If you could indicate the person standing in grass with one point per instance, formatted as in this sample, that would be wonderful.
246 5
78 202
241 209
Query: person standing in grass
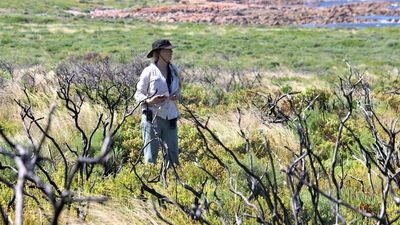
159 90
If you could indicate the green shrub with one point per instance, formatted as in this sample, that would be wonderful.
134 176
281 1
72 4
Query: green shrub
199 96
129 137
190 142
118 186
8 127
286 89
322 99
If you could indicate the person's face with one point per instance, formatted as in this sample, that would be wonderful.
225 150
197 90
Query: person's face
166 54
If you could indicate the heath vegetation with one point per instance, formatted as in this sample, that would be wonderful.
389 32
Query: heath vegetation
278 126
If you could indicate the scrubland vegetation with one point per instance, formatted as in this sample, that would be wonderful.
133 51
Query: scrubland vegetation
277 127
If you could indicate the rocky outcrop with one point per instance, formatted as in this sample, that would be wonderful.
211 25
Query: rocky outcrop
266 12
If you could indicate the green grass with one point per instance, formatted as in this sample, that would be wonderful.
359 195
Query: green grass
57 7
321 51
41 31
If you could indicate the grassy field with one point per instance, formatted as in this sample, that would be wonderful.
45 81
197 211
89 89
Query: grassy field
57 7
50 39
288 59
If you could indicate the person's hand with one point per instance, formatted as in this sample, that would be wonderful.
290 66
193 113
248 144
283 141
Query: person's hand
157 99
174 97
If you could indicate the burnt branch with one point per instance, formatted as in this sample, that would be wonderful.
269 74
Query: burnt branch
107 85
7 66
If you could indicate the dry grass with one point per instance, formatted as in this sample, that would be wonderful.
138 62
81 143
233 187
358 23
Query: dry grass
59 28
269 82
62 28
299 81
136 212
42 92
227 129
131 211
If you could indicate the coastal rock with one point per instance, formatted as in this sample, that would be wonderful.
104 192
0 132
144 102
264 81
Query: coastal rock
265 12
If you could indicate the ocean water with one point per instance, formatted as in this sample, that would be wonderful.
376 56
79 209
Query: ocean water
378 20
329 3
353 25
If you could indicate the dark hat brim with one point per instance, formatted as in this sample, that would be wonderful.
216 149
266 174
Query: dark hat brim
150 54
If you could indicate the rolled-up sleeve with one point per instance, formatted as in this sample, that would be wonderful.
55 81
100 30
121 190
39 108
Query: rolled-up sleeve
142 87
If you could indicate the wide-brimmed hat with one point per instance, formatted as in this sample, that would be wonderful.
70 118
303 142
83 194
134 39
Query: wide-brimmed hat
160 44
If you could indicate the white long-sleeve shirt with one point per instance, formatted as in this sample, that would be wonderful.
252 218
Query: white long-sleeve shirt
152 82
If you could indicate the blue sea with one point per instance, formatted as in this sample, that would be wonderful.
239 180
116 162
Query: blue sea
379 20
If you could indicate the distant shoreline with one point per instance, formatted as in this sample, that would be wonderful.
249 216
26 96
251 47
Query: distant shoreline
258 12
